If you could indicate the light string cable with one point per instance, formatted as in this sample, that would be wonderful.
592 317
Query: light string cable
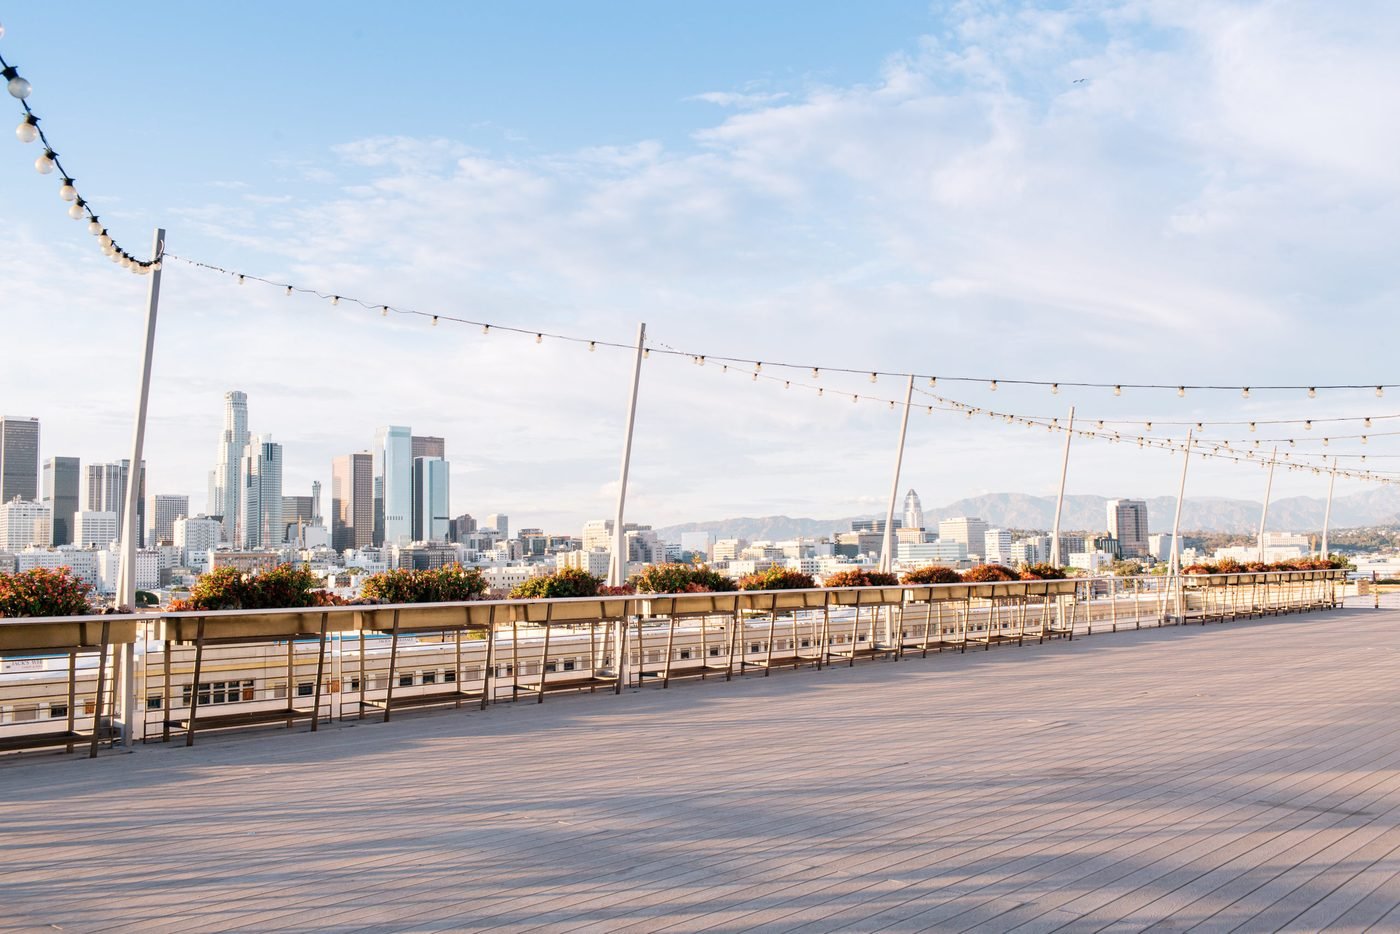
814 370
28 131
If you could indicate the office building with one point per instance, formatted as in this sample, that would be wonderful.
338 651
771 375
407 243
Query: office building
19 458
428 446
62 481
430 499
224 482
163 510
1127 522
996 546
969 530
459 528
393 485
591 562
1159 545
24 523
260 481
95 529
913 511
352 501
104 488
501 523
195 535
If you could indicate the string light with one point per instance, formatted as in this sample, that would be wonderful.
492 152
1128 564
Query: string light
539 338
435 317
1245 392
592 345
874 377
994 385
1312 392
1118 390
1054 389
335 299
1181 391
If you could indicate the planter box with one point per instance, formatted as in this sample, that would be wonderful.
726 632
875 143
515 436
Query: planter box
571 610
428 617
39 633
256 624
867 596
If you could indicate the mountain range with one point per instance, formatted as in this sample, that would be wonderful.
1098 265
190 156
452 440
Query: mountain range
1375 507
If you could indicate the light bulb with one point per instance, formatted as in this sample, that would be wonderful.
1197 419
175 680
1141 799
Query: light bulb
1380 391
28 129
994 386
1149 426
755 377
108 248
1054 389
1307 425
155 267
44 164
787 384
874 378
68 192
1099 424
1312 392
240 279
105 240
383 311
646 353
1118 390
821 391
19 87
94 227
702 359
289 290
1251 428
592 346
757 367
891 404
932 381
75 211
486 329
434 320
1324 442
1181 391
855 398
539 338
1245 392
335 299
1363 439
969 413
816 373
125 261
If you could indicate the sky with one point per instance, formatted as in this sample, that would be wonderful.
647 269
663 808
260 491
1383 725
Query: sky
1133 191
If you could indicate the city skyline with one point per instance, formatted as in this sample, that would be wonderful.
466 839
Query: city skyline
903 188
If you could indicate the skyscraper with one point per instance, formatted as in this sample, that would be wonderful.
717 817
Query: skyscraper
393 474
104 488
1127 522
429 446
224 487
430 499
19 458
61 483
499 522
260 479
913 511
968 530
352 501
164 510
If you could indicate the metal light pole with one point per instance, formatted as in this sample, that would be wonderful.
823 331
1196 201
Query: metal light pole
1060 502
1327 516
1174 565
617 564
1268 491
887 543
126 579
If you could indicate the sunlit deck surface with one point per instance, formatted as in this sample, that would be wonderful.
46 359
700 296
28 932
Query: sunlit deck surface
1245 774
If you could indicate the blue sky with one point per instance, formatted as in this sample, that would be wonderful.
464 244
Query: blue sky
916 187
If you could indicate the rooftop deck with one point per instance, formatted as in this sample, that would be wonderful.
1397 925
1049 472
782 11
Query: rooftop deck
1244 774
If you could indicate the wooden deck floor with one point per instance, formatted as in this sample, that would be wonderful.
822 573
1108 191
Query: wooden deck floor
1240 776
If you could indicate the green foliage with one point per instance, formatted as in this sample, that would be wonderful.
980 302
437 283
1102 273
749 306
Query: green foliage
448 584
860 577
680 578
985 573
285 587
566 582
1042 572
42 592
932 574
1127 569
777 578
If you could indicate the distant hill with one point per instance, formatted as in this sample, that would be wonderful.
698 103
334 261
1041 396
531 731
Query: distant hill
1380 506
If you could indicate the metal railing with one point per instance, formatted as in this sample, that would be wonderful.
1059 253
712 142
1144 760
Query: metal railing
216 670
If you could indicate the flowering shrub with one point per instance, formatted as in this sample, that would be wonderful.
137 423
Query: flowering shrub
1231 566
681 578
284 587
451 583
860 577
985 573
777 578
566 582
41 592
1042 572
933 574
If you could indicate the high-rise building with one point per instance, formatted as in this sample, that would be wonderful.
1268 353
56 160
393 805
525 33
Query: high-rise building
429 446
501 523
459 528
95 528
430 499
224 481
352 501
393 481
196 535
104 489
19 458
996 548
24 523
913 511
260 479
969 530
316 501
61 484
1127 522
163 510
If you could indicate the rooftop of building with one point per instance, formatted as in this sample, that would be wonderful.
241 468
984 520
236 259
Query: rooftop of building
1245 774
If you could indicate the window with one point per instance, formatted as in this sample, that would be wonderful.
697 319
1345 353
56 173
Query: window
430 677
714 652
551 666
354 685
569 664
753 647
449 676
218 692
58 710
684 655
153 702
306 689
806 643
406 681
